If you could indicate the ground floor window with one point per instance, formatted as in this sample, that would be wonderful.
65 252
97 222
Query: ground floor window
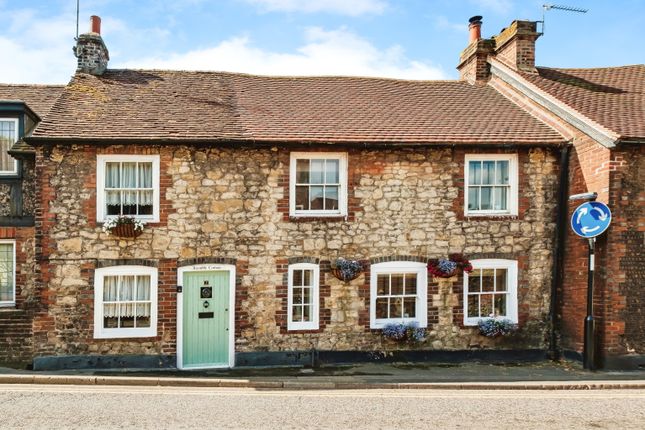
398 293
490 290
125 302
7 273
303 297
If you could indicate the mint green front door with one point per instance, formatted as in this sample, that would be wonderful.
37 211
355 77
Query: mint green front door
206 312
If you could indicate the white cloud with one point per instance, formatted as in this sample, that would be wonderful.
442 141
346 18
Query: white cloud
336 52
343 7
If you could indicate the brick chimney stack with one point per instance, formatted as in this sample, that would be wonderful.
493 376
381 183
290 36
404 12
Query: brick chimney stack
473 66
91 52
515 45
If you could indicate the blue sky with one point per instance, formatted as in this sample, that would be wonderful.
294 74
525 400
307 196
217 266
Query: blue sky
408 39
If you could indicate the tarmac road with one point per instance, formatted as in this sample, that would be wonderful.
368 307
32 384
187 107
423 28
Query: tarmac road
98 407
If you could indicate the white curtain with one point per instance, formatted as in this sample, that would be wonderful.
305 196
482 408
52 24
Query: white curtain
145 175
110 294
129 175
112 175
126 294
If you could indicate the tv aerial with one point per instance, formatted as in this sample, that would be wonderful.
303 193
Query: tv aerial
547 7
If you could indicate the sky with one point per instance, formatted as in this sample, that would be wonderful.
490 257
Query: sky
404 39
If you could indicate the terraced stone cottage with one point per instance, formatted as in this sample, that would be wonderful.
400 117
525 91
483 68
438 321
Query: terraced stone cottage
251 188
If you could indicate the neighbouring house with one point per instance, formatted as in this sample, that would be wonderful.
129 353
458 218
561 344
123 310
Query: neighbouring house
252 187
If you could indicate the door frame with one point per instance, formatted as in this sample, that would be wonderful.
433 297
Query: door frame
180 311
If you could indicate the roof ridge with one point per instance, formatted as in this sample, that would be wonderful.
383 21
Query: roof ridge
220 72
625 66
33 85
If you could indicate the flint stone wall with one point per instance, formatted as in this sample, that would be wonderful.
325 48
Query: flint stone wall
229 203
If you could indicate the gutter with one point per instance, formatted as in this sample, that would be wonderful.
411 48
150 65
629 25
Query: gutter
558 254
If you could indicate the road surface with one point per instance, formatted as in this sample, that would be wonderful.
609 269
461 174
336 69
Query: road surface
98 407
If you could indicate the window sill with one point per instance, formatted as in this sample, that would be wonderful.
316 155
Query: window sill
125 335
310 218
475 322
379 325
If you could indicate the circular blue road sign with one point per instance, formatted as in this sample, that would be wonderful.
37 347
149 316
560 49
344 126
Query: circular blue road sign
590 219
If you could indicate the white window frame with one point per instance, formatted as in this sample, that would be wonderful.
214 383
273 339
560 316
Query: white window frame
315 297
511 297
113 333
342 178
15 164
421 270
11 303
101 160
512 180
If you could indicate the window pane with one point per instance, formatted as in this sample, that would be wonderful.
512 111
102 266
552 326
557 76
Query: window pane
112 175
473 306
486 304
126 312
302 198
297 278
502 173
110 288
474 172
500 305
488 172
486 198
6 272
317 171
396 285
396 307
331 198
382 285
8 136
143 287
316 198
126 289
500 281
306 296
501 198
145 202
307 277
302 171
296 313
409 307
332 172
411 283
129 175
473 198
129 202
111 322
145 175
306 313
488 279
474 281
297 296
381 308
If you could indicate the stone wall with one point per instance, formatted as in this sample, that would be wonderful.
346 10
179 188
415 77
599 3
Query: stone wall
226 203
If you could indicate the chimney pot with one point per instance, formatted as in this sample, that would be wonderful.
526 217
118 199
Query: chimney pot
95 24
475 27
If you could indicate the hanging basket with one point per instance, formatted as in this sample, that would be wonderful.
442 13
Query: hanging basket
346 270
442 268
126 230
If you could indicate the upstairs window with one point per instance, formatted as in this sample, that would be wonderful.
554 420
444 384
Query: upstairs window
128 185
491 184
7 272
490 290
8 136
318 184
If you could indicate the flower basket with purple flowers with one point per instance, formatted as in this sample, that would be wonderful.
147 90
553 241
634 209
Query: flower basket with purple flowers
401 332
496 326
346 270
447 268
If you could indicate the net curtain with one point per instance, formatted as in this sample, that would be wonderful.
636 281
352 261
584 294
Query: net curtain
126 290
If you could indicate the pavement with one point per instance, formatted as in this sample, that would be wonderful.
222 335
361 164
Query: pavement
546 375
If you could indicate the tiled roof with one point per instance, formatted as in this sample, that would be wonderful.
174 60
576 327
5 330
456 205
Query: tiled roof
177 105
39 98
613 97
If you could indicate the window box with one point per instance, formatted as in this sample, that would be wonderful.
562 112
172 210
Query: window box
490 185
318 184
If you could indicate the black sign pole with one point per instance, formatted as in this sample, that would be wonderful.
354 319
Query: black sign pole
589 359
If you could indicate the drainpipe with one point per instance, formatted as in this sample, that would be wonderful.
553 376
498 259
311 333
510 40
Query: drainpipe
558 254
